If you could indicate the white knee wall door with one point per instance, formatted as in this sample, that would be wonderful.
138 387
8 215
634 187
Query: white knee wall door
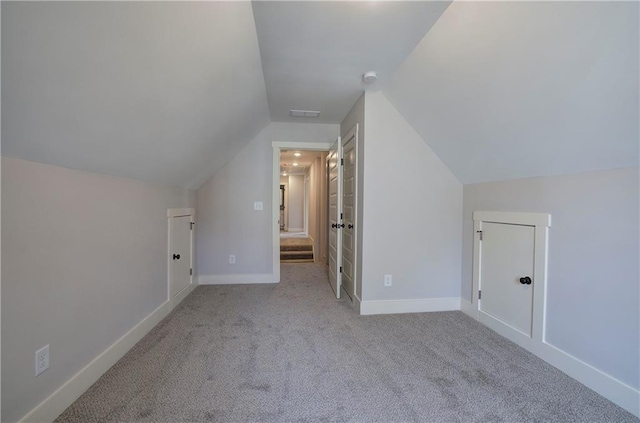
180 253
510 273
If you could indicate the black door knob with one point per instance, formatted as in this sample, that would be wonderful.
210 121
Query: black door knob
341 225
526 280
176 256
334 225
350 226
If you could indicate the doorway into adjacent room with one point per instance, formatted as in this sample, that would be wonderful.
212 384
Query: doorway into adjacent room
302 206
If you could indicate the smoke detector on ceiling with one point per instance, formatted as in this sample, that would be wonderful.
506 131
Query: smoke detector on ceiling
370 77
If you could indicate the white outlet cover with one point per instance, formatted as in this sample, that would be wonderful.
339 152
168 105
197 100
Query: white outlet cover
232 259
388 280
258 205
42 359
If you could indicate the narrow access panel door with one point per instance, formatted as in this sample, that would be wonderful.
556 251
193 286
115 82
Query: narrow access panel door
506 274
180 254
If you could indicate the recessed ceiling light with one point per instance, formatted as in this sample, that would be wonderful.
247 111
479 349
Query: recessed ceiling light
304 113
295 164
297 154
370 77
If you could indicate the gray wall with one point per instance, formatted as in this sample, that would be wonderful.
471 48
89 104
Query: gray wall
84 259
227 223
593 290
412 211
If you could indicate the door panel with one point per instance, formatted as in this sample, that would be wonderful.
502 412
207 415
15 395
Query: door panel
348 212
506 256
333 172
180 254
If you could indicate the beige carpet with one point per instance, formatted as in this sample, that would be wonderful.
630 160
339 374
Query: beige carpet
290 352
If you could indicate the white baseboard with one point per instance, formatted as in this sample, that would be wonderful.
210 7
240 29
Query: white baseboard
295 230
409 306
469 309
609 387
236 279
49 409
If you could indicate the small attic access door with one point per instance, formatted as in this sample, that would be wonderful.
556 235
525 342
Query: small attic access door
506 268
180 267
510 274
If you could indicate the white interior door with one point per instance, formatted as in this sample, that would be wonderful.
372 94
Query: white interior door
180 254
506 274
334 244
348 215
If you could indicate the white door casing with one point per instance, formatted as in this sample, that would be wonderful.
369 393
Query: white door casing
506 279
180 254
335 237
349 207
275 209
539 224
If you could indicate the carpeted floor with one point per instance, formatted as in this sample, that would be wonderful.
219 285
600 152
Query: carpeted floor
290 352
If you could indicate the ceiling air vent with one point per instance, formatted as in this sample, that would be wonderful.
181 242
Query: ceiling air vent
304 113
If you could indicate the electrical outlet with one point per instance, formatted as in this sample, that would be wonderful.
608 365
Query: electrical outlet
42 359
388 280
258 205
232 259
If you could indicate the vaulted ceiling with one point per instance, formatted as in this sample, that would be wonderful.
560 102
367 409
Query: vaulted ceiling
169 92
505 90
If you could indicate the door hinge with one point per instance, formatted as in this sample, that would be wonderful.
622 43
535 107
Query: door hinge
192 223
479 295
341 162
480 232
341 217
190 272
340 269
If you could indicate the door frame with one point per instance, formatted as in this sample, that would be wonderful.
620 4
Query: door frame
275 192
171 213
541 222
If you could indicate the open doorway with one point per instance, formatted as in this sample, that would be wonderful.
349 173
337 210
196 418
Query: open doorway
300 215
302 206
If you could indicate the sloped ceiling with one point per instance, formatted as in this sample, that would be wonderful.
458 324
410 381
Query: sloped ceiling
163 92
504 90
315 52
170 91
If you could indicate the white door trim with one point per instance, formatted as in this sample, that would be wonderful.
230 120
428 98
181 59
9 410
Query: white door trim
275 187
171 213
541 223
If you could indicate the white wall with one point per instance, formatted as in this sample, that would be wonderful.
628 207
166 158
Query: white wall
296 203
593 290
227 223
84 260
412 211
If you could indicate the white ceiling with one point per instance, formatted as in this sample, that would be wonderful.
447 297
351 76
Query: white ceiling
163 92
504 90
314 53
